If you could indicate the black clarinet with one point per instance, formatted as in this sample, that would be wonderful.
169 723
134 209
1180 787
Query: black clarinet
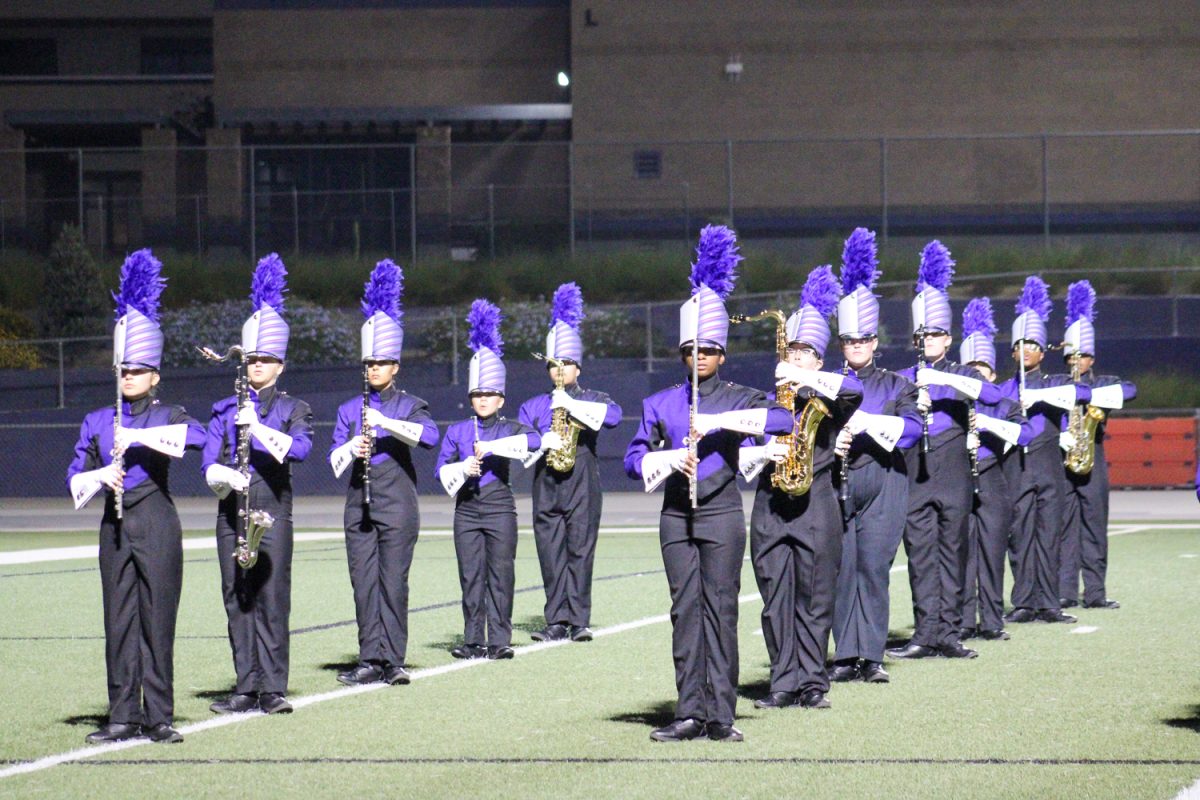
919 341
844 474
370 440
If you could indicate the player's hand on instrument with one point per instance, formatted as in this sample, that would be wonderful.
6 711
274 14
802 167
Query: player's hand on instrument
1067 441
790 373
559 398
707 423
923 401
376 418
688 464
777 450
972 441
552 440
842 446
111 477
219 476
474 465
360 446
246 415
123 439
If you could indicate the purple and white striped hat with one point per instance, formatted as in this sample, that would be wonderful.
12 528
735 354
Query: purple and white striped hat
564 342
486 372
858 310
931 306
1081 310
137 338
382 333
266 333
1033 311
818 299
979 332
703 317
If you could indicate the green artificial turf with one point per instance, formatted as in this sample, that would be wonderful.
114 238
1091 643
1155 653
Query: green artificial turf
1051 713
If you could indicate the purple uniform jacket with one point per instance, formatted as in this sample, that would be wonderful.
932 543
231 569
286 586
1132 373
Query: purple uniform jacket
393 404
989 443
459 444
665 426
1045 419
889 393
537 413
276 410
145 469
948 414
1093 381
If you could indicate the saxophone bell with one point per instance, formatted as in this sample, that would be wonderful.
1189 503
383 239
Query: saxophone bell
257 524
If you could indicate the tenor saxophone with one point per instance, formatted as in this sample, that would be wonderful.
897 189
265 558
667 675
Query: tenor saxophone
561 459
1082 424
794 475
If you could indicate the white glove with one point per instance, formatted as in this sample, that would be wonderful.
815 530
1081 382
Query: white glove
964 385
1066 441
246 415
588 413
923 401
170 440
751 461
515 446
750 421
1108 397
777 450
551 440
85 485
560 399
842 446
707 423
658 465
474 466
124 438
221 479
453 476
972 441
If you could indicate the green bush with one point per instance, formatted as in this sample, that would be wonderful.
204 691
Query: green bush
14 326
76 303
1167 390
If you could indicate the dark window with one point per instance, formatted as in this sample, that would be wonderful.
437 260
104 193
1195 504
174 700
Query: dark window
177 57
28 57
647 164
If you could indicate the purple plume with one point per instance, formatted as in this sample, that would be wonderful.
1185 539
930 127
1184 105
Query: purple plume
821 290
860 263
978 318
141 285
1035 297
568 305
269 283
937 268
484 321
1081 302
716 260
382 291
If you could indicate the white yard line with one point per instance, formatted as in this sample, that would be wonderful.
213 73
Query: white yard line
46 762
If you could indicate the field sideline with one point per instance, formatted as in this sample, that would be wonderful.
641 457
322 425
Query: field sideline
1105 708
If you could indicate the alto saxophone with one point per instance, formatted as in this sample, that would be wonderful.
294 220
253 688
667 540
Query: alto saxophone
561 459
1082 424
794 475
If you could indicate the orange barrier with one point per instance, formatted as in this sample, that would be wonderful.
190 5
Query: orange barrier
1151 451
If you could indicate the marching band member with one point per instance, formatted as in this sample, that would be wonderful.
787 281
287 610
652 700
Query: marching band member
875 498
566 481
702 527
1084 546
258 596
141 541
1034 473
473 466
379 429
795 535
939 472
998 428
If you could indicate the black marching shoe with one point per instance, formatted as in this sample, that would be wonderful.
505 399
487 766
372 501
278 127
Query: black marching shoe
581 633
873 672
235 704
396 674
681 730
163 733
495 652
1105 603
1020 615
1067 602
845 671
813 698
967 633
911 650
1054 615
274 703
469 651
776 700
113 732
994 634
551 633
956 650
363 673
720 732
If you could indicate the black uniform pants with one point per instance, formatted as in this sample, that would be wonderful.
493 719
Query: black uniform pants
141 574
258 601
1037 526
485 541
703 559
987 542
1084 546
861 613
566 524
935 538
796 547
379 552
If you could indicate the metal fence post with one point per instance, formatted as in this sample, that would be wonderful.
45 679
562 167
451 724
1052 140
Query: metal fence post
1045 194
453 348
199 230
253 220
729 178
62 391
571 198
392 218
412 204
883 187
649 337
295 221
491 221
79 182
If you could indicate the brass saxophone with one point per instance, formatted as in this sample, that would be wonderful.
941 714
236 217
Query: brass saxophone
794 475
1082 424
563 458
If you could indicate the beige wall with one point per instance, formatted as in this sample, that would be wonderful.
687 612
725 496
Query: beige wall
368 58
